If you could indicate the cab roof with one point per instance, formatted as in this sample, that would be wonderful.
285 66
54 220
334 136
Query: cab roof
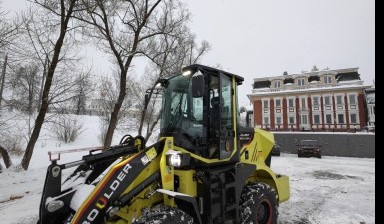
202 68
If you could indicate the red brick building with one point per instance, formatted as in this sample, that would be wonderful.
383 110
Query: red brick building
327 100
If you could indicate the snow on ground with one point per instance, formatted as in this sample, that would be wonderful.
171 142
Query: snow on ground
328 190
323 191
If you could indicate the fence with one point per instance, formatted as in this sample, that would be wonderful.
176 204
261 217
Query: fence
333 144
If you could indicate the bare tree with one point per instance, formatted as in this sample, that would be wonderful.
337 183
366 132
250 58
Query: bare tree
2 78
64 10
25 86
83 88
109 95
50 31
66 129
124 29
8 32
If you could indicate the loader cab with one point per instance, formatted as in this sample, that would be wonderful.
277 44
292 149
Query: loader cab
199 110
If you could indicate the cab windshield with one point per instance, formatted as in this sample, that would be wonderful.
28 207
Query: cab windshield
200 123
182 114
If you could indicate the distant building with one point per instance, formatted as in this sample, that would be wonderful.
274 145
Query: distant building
327 100
371 110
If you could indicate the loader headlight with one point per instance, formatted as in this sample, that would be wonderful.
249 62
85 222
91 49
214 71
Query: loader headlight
177 159
54 205
174 160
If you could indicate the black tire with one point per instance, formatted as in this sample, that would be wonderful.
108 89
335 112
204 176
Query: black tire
165 215
259 204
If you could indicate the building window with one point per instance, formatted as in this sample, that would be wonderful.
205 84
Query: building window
328 118
277 84
266 120
353 118
316 101
303 103
304 119
327 100
291 120
327 79
372 110
266 103
291 102
278 120
352 99
278 102
316 119
339 100
300 82
340 118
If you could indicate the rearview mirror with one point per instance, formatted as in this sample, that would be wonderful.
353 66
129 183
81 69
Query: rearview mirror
197 85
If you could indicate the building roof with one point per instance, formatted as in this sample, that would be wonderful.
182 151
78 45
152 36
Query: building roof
346 71
306 89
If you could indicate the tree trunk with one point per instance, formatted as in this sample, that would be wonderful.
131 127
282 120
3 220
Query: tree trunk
116 110
47 86
153 125
7 160
123 66
3 77
30 101
42 83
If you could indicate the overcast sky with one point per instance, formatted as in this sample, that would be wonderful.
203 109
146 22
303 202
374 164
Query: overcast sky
257 38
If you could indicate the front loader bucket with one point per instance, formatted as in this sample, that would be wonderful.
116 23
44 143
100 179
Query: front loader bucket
55 206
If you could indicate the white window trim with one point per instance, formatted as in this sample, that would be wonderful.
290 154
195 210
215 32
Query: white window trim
281 102
357 118
342 99
325 79
349 101
320 119
294 119
262 103
294 102
282 122
301 102
337 116
330 100
277 84
325 119
313 104
301 119
300 81
269 121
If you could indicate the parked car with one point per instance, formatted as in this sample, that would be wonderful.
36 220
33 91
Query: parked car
309 148
276 150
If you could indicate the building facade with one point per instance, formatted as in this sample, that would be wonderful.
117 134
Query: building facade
327 100
371 108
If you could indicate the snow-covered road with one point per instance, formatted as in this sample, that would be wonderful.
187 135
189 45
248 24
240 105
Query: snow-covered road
330 190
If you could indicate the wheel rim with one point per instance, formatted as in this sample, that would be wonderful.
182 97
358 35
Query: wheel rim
264 212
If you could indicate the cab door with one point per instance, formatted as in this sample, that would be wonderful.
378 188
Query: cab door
227 134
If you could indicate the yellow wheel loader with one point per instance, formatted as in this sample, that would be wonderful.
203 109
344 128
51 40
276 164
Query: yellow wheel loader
205 168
